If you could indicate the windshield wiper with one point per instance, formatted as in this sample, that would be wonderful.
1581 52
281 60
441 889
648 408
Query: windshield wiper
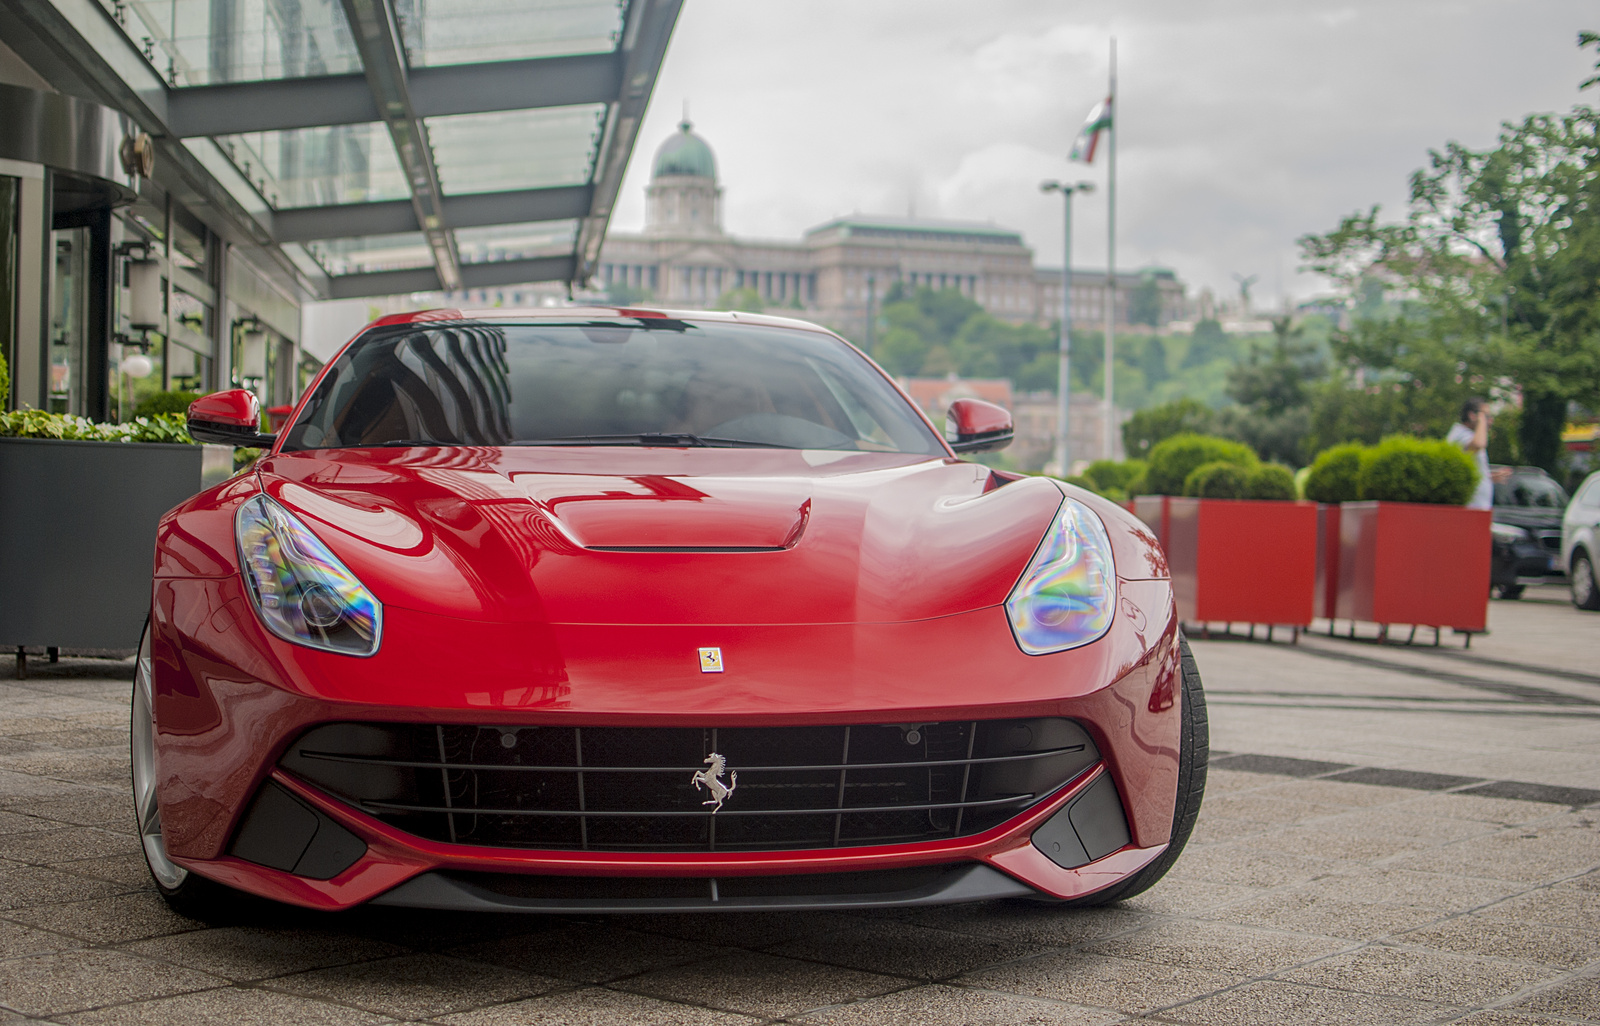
662 438
403 443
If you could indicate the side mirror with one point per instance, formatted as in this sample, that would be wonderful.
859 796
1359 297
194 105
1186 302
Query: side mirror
972 425
228 418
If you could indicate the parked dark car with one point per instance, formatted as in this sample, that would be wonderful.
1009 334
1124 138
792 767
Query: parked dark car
1528 504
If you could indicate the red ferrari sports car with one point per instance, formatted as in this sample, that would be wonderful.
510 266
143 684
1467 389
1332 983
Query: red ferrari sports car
615 610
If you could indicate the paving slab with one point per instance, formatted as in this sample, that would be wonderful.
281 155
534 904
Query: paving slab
1390 838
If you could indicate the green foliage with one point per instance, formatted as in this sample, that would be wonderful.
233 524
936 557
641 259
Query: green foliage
1174 459
1270 481
1271 387
1336 474
5 383
1108 474
1500 249
1158 423
1110 479
1209 342
165 402
1088 485
1402 469
932 333
244 456
165 427
1504 437
1217 480
1144 303
627 295
746 300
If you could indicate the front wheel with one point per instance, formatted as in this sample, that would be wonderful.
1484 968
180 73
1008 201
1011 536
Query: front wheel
186 893
1194 750
1585 590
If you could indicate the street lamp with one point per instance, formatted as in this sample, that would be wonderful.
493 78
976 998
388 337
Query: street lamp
1063 379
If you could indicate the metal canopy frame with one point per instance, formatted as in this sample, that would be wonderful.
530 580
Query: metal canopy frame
85 37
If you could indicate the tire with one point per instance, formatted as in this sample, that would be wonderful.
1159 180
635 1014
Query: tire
1585 589
1509 591
187 893
1194 750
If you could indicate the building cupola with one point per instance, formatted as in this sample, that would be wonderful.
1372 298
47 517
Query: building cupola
683 197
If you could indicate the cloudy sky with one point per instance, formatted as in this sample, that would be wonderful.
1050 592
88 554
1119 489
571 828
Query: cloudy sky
1243 123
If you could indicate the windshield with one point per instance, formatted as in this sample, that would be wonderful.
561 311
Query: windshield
1530 490
646 382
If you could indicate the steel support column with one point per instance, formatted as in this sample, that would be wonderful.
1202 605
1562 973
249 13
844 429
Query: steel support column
377 39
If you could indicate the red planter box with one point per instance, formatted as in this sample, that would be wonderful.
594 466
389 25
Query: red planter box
1411 563
1242 560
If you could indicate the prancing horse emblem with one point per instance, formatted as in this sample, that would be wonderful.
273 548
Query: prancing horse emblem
711 780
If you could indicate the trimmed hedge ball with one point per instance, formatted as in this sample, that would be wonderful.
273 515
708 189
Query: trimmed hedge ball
1335 474
1403 469
1270 481
1172 460
1217 480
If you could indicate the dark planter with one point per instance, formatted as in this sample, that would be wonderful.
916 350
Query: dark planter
1326 603
1153 510
1413 563
78 531
1242 560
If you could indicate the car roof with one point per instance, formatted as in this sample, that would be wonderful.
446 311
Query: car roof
567 313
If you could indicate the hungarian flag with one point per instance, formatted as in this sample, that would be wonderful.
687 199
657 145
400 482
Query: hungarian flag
1088 140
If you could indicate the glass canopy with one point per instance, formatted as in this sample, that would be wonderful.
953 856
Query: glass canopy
205 42
314 167
491 152
470 31
445 136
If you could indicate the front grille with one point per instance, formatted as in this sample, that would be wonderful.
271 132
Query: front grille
633 788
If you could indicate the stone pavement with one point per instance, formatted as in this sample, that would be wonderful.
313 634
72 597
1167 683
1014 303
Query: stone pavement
1392 836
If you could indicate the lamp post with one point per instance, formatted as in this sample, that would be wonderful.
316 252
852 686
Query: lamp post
1063 378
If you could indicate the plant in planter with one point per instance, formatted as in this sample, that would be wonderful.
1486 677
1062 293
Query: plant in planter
1409 551
1217 480
80 577
1171 462
1230 523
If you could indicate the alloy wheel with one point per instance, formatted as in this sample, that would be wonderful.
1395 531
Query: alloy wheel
1583 583
146 807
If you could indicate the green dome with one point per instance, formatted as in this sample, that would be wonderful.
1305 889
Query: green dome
685 154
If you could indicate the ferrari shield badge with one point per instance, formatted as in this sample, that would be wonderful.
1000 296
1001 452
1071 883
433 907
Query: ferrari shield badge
711 660
711 780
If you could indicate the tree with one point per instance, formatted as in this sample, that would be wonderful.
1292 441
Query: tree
1207 343
1144 303
1148 427
746 300
1271 387
1501 250
627 295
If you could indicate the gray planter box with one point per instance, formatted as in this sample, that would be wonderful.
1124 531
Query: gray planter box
78 531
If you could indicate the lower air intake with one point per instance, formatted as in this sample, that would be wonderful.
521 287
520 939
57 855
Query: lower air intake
650 789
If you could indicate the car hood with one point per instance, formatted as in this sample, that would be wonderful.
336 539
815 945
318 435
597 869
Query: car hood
1525 516
668 536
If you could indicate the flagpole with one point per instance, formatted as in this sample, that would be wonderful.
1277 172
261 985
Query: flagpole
1111 256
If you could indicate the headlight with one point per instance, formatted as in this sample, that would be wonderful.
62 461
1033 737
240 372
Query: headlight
1068 594
300 589
1510 533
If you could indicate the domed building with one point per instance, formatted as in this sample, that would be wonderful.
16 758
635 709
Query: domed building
684 197
839 271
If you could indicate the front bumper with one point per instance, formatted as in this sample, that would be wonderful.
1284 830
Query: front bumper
230 700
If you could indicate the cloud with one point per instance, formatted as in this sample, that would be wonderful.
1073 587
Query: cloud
1243 123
